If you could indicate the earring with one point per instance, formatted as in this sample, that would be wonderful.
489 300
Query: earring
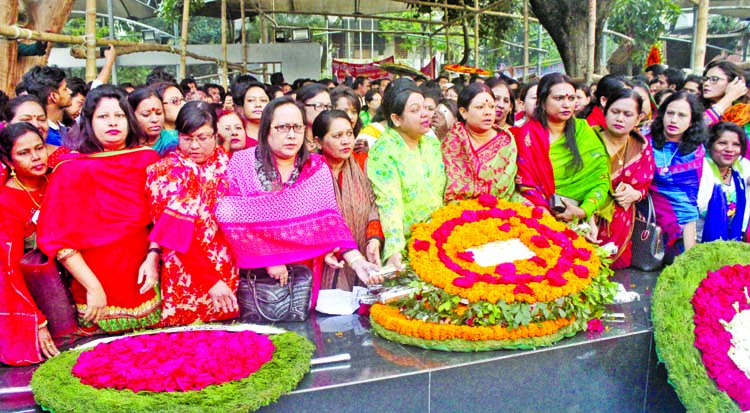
12 172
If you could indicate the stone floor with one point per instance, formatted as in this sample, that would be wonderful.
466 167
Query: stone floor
613 371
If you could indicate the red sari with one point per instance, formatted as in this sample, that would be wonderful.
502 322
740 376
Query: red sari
97 205
19 316
183 198
638 172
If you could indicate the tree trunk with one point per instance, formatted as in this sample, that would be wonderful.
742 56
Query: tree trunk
566 23
467 46
47 15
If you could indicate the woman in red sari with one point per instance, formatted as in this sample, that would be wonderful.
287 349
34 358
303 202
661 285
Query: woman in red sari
281 208
95 217
631 166
26 334
198 278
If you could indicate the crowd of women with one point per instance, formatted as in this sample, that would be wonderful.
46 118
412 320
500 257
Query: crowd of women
158 207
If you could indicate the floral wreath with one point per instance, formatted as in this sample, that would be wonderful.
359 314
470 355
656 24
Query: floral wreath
523 304
466 69
58 384
691 297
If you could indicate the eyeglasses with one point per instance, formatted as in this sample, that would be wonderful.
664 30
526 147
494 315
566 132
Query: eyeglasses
201 139
713 79
319 106
286 127
175 101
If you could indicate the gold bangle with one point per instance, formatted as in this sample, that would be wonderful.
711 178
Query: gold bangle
41 326
65 253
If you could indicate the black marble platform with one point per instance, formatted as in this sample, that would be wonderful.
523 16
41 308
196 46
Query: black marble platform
612 371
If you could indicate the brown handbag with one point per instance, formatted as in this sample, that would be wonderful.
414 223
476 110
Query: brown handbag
49 286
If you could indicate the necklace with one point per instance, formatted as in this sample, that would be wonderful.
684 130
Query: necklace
727 174
18 182
665 169
621 161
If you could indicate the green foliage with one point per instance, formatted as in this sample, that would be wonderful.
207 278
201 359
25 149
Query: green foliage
674 329
58 390
435 305
643 20
171 10
76 26
725 25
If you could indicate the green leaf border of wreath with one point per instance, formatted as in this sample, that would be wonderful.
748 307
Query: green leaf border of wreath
56 389
674 329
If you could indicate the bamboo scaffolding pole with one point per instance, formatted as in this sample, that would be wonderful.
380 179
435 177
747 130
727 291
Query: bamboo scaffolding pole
354 16
591 44
79 52
243 36
476 35
185 34
90 40
526 41
223 43
699 43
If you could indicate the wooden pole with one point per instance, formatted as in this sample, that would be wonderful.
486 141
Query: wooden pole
223 44
476 35
591 44
8 15
701 33
185 34
243 36
526 41
80 53
90 40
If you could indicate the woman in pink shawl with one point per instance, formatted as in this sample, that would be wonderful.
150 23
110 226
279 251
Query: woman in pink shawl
281 208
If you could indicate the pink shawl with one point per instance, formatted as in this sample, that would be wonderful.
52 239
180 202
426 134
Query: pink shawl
291 225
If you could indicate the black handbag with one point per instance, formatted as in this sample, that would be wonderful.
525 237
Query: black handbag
49 286
262 299
648 243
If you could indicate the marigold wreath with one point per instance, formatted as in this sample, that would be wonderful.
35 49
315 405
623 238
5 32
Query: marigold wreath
57 389
680 289
462 304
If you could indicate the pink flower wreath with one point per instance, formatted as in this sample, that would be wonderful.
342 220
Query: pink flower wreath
713 301
171 362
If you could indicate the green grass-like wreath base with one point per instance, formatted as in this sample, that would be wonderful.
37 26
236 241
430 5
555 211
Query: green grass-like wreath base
472 346
56 389
674 329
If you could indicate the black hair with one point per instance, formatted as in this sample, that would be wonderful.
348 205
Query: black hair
369 96
674 77
717 129
10 108
494 82
469 93
82 132
625 93
42 81
277 78
142 93
451 105
125 85
77 86
525 87
431 89
264 130
21 88
695 134
542 93
346 92
185 84
10 134
218 87
193 115
655 69
605 87
158 75
239 90
309 91
322 124
660 95
693 78
358 82
396 95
